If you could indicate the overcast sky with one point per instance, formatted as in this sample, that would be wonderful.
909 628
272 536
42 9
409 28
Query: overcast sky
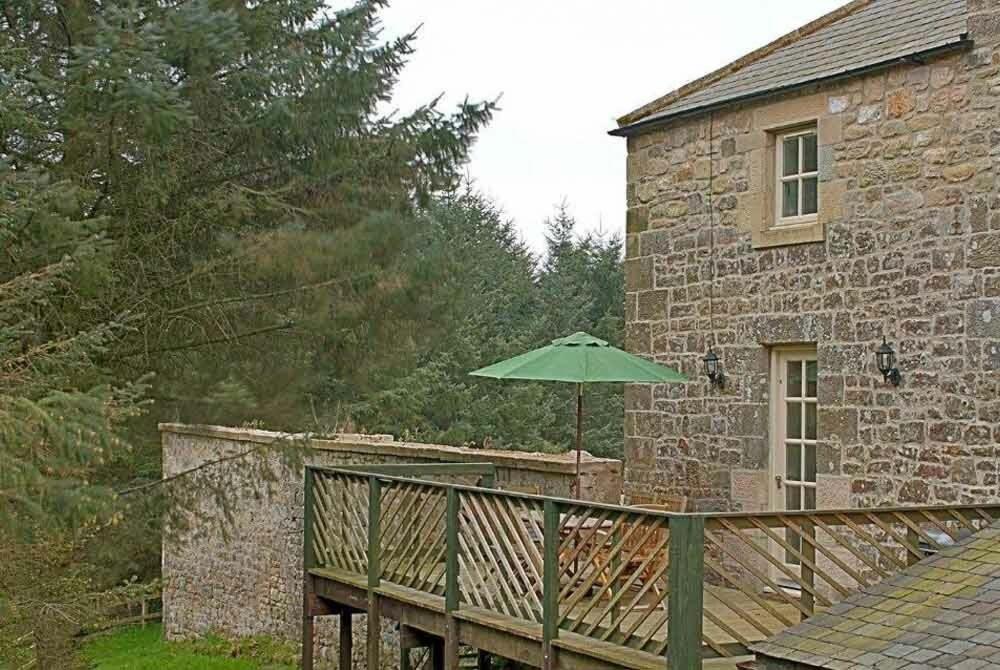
566 69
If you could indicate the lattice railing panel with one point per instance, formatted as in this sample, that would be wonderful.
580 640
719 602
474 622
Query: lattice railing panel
340 521
500 553
412 541
612 568
613 575
766 572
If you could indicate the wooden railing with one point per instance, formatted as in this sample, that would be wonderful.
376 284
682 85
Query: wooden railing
683 585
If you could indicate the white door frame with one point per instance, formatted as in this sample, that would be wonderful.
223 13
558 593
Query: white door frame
780 356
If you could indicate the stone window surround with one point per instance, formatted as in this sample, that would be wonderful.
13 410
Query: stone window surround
769 123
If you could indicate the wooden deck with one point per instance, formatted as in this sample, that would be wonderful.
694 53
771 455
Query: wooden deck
507 637
553 583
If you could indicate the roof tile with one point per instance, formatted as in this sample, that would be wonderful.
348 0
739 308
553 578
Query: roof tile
876 33
952 622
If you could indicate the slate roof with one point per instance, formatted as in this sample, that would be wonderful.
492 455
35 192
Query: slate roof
854 38
942 612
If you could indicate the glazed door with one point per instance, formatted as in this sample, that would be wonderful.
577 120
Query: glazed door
793 463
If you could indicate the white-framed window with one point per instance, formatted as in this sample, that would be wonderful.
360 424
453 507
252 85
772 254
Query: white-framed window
797 170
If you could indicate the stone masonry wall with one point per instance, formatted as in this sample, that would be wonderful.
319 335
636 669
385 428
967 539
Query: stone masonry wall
911 206
243 575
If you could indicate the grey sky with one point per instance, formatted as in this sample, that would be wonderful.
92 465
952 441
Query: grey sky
566 70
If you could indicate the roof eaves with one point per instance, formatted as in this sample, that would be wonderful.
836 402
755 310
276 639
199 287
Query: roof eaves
962 42
785 40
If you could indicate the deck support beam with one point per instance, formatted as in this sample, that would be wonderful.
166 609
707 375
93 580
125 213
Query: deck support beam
374 637
346 648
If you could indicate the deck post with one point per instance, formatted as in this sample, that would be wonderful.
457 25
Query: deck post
308 562
685 601
374 572
550 582
346 647
808 552
451 588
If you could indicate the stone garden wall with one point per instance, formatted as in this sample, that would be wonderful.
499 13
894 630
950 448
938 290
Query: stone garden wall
242 575
909 248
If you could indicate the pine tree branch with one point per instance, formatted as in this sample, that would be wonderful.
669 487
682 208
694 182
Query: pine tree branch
266 296
184 473
215 340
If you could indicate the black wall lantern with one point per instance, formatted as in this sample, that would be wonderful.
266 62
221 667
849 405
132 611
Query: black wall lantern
713 368
886 359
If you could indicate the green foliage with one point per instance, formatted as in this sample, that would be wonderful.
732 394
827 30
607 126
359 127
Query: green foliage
144 649
490 299
208 190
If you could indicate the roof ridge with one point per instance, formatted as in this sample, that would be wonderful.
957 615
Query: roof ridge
743 61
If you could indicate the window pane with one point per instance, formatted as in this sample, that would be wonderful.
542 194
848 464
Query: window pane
790 198
790 157
794 379
809 153
810 498
793 420
809 451
811 421
811 370
793 462
810 197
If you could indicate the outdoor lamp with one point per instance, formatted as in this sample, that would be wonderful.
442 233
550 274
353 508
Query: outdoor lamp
886 359
713 368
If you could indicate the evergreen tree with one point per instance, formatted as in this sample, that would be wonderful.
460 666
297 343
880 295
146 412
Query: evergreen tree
492 300
209 190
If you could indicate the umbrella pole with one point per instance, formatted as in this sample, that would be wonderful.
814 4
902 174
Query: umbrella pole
579 434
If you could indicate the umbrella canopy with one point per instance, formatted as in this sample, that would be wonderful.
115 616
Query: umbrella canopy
581 359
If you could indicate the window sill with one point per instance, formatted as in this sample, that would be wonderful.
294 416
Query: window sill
789 223
800 232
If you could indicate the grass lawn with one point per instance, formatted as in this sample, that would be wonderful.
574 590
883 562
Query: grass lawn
137 648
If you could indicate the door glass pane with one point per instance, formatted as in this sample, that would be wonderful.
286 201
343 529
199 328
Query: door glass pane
810 197
811 371
792 538
809 161
811 421
790 198
793 498
793 420
790 157
809 465
794 379
793 462
810 498
793 501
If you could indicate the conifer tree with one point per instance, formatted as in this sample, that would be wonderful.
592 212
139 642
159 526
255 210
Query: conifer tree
214 191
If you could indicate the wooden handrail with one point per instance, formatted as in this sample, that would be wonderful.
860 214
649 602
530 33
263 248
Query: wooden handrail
712 584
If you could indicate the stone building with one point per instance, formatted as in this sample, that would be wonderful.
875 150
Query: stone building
788 212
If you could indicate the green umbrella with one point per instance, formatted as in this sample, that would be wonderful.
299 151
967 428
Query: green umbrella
580 359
